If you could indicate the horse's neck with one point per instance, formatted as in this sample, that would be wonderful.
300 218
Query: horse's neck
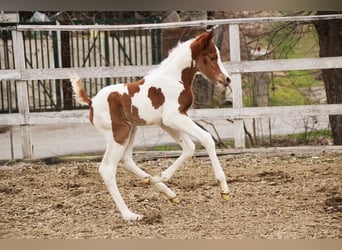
188 75
179 64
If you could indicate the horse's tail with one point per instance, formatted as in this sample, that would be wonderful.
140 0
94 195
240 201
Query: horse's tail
80 94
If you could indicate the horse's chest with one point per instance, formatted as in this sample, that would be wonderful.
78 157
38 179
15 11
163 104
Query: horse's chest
185 99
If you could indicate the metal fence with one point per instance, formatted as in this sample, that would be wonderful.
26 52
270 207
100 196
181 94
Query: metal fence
75 49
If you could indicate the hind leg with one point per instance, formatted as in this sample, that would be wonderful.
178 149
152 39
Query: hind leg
131 166
108 169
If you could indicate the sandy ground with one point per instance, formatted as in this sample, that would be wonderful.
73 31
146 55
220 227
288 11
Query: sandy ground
273 196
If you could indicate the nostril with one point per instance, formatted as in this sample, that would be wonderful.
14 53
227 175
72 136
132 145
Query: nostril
228 79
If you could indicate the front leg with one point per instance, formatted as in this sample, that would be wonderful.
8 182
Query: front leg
184 124
188 148
130 165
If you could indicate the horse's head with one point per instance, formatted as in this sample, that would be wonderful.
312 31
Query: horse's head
208 59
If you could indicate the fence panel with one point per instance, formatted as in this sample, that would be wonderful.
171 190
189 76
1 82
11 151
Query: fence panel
8 102
39 51
103 49
43 50
40 54
93 48
25 118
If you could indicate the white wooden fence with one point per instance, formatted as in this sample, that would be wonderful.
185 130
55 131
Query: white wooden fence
236 67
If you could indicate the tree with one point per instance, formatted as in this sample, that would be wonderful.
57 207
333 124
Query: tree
330 42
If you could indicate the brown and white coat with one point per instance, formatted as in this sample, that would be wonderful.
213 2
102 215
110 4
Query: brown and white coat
162 97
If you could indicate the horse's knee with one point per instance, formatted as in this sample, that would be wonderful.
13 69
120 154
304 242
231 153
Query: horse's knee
208 141
106 173
189 149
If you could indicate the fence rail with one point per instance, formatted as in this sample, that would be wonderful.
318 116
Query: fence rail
199 23
81 116
56 49
24 118
129 71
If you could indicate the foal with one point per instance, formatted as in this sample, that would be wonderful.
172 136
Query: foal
162 97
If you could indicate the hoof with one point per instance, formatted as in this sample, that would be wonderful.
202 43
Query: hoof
175 200
226 197
132 217
146 181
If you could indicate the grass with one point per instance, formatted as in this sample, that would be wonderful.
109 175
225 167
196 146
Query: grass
314 134
166 148
286 88
312 137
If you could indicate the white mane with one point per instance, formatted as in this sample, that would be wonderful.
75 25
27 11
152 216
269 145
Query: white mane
178 59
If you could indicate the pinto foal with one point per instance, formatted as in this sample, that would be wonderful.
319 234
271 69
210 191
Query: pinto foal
162 97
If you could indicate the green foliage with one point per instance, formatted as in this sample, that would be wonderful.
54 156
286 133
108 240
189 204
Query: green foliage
166 148
312 134
288 89
285 96
292 40
310 137
289 41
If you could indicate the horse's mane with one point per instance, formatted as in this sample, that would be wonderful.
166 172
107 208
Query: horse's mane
178 56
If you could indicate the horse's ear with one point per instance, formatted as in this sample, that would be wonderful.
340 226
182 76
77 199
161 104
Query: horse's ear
201 42
207 38
211 33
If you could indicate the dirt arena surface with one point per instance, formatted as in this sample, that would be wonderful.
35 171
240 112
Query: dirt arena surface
291 196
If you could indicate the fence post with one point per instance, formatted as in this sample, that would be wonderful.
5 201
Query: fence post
234 44
22 95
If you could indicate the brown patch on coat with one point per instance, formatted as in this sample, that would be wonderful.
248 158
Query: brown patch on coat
130 111
121 126
203 51
134 87
200 43
123 114
186 97
136 120
156 96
